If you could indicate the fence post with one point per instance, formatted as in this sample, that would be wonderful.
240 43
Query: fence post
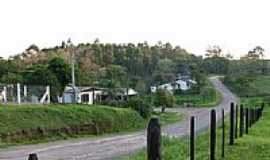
249 117
18 93
236 122
247 120
33 156
232 124
262 106
153 139
212 134
257 114
253 115
241 131
223 135
192 138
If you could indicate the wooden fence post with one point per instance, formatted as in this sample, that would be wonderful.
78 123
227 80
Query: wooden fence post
153 139
247 120
223 135
249 117
232 125
192 138
253 115
241 129
262 106
257 114
33 156
236 122
212 134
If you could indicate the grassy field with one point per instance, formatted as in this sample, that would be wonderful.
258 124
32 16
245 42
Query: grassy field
23 124
254 146
197 100
257 86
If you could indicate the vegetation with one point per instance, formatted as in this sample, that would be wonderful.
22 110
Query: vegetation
253 146
164 99
51 119
32 124
112 66
142 106
205 96
249 86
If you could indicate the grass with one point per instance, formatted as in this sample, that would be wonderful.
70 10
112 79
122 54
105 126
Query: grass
254 146
253 86
16 118
198 100
109 120
168 117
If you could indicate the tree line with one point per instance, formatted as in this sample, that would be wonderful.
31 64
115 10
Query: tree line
114 66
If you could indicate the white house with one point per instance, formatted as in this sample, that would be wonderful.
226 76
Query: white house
182 82
89 95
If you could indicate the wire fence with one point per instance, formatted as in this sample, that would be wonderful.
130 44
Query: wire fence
240 121
26 94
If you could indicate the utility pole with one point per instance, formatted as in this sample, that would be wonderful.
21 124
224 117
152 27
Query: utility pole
72 60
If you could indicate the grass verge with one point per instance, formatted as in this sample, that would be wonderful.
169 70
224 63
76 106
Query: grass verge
254 146
30 124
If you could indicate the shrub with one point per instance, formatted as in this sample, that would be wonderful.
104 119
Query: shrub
140 105
164 99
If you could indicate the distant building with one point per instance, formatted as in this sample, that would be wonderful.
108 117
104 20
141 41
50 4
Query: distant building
89 95
182 82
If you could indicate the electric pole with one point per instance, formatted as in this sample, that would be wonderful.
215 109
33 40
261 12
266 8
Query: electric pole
72 60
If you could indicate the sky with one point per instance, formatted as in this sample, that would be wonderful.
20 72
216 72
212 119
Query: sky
235 25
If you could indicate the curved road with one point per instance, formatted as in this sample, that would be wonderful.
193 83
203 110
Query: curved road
116 146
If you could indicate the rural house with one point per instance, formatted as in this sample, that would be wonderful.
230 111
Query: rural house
89 95
182 82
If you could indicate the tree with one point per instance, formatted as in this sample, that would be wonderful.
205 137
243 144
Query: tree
163 99
61 71
213 51
255 53
112 78
11 78
41 75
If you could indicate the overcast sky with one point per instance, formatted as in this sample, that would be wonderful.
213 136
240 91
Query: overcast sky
235 25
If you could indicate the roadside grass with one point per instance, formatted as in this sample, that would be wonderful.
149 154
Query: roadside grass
109 120
254 146
168 117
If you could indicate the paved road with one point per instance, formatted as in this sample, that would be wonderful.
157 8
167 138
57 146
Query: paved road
115 146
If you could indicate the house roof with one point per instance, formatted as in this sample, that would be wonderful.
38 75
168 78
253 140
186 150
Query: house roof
69 89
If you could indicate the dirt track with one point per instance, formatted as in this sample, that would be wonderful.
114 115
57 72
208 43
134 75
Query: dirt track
115 146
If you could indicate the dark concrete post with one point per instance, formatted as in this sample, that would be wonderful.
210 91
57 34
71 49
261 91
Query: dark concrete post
241 131
33 156
192 138
247 120
153 139
232 125
236 122
212 134
223 134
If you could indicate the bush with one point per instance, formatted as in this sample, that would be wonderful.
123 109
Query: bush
164 99
140 105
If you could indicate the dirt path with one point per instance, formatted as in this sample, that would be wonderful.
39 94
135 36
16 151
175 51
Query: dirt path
115 146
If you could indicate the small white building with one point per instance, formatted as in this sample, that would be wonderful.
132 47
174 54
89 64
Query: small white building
89 95
182 82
